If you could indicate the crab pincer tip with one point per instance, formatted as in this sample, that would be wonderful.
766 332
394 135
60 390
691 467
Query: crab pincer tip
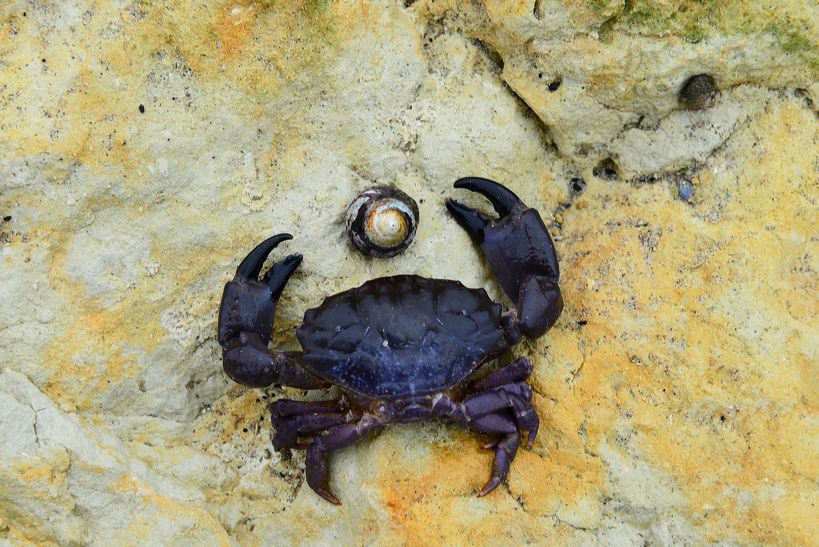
470 220
502 198
329 497
252 263
489 486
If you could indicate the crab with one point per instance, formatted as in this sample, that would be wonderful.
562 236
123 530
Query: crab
402 348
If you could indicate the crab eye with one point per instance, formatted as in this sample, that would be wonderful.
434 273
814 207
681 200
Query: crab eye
381 221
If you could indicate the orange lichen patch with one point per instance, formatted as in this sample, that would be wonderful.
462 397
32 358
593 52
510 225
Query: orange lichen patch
431 498
233 26
191 519
677 364
31 472
424 504
73 102
89 358
756 446
80 102
100 348
247 44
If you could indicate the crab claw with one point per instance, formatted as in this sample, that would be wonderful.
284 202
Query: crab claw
470 220
502 198
252 264
520 252
277 276
246 322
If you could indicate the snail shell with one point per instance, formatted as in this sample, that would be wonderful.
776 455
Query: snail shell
698 92
381 221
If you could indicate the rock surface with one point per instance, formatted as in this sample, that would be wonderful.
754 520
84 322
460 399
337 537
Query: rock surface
144 149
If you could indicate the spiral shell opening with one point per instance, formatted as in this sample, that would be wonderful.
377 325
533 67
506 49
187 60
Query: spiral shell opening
381 221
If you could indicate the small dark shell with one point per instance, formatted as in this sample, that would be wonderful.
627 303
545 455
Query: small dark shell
381 221
698 92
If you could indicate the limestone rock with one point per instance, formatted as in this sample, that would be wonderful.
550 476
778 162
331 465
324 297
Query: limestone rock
145 148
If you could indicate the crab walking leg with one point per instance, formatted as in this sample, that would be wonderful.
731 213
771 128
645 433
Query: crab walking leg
492 416
285 408
288 430
512 397
292 419
516 371
505 452
505 445
246 322
521 253
335 438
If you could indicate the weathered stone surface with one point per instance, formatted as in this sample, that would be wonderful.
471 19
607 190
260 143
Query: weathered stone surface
144 149
592 70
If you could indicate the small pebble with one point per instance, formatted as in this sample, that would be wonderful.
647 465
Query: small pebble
698 92
685 188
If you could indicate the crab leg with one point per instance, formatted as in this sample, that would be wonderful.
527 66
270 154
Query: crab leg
246 322
504 411
505 452
516 371
519 250
512 397
288 430
335 438
506 445
294 419
286 408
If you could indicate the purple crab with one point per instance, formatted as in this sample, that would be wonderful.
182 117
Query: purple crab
402 348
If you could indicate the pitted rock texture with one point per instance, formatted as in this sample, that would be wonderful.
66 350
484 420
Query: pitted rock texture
145 148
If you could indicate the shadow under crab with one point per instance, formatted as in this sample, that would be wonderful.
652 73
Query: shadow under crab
402 348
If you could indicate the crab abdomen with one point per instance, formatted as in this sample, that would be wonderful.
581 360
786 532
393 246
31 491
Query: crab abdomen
400 336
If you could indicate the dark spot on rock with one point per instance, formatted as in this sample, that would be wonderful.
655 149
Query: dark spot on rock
244 429
42 60
698 92
7 218
142 109
646 179
554 85
540 75
685 188
577 184
582 323
722 419
607 169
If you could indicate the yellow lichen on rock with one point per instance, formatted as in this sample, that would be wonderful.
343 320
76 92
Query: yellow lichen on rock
145 148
